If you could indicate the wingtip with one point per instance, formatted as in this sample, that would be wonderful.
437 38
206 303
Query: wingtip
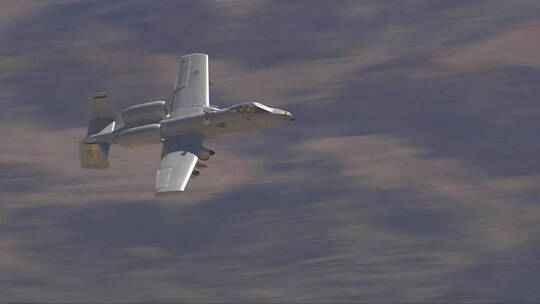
195 54
168 194
98 95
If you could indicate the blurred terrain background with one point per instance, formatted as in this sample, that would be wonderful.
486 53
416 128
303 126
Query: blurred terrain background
412 172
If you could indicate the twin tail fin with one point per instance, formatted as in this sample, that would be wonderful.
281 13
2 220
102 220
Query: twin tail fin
102 120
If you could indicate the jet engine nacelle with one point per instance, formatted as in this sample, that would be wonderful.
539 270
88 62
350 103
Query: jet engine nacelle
139 136
145 113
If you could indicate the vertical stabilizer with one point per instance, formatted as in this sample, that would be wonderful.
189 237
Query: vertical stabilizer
102 120
101 113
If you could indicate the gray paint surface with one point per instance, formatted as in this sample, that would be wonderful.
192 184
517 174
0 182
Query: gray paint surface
191 86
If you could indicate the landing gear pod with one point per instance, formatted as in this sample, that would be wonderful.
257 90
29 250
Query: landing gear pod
204 154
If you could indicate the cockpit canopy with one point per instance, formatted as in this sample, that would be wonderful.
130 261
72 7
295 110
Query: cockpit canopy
251 108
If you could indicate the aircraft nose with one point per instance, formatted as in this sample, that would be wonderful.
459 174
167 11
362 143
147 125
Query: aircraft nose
289 116
284 114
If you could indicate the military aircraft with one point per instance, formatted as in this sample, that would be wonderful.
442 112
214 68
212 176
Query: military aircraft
180 125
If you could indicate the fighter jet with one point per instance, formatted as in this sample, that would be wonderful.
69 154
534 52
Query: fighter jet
181 125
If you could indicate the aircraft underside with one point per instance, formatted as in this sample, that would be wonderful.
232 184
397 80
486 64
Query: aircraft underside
180 125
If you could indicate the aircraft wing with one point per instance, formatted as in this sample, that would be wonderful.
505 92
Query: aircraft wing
176 166
191 86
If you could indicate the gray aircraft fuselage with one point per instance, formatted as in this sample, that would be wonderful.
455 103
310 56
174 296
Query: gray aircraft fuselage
212 122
